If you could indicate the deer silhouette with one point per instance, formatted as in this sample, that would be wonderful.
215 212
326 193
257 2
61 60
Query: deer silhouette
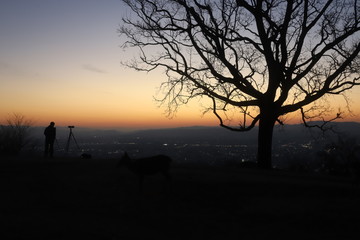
147 166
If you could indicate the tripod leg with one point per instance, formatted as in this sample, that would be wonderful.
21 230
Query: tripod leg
75 141
68 142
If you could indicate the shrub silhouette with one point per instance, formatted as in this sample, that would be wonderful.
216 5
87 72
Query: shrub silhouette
341 157
14 135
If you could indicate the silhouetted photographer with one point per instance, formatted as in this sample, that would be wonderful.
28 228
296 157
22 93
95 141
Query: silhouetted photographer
50 135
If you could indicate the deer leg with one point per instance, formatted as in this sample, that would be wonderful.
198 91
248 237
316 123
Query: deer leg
168 182
141 182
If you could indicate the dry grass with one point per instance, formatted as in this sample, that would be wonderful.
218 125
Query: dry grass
91 199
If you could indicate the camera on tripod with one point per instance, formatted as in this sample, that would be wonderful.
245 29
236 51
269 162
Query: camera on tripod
71 126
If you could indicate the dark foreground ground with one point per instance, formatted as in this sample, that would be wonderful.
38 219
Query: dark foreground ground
91 199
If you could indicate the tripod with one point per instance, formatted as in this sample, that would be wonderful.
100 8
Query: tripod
71 134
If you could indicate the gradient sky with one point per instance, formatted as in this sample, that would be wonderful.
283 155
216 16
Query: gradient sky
60 61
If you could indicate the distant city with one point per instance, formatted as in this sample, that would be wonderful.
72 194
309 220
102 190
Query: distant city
293 145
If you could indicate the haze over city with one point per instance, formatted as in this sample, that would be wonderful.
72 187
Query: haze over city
60 61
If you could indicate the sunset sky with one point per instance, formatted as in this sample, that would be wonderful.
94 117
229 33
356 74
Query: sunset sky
60 61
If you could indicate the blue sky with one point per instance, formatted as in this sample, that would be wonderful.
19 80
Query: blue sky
60 61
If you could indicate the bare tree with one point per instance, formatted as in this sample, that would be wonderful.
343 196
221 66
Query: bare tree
14 134
263 58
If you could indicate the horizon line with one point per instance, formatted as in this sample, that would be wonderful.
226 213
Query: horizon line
132 128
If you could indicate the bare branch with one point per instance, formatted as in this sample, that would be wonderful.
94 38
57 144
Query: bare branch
324 124
241 128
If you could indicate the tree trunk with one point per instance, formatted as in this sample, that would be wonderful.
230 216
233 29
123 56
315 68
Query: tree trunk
265 135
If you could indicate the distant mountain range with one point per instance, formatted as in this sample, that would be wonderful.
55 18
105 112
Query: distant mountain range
213 135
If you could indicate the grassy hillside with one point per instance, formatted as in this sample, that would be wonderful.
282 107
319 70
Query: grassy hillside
91 199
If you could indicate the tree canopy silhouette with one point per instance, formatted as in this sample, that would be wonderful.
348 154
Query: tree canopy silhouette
263 58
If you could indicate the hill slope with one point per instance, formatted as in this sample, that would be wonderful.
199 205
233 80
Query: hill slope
78 199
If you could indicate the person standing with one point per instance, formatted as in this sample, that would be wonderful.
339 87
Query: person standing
50 135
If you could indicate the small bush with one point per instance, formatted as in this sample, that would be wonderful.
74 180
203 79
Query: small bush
14 135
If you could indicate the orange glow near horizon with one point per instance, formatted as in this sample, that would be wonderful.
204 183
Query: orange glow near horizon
122 100
132 121
131 118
